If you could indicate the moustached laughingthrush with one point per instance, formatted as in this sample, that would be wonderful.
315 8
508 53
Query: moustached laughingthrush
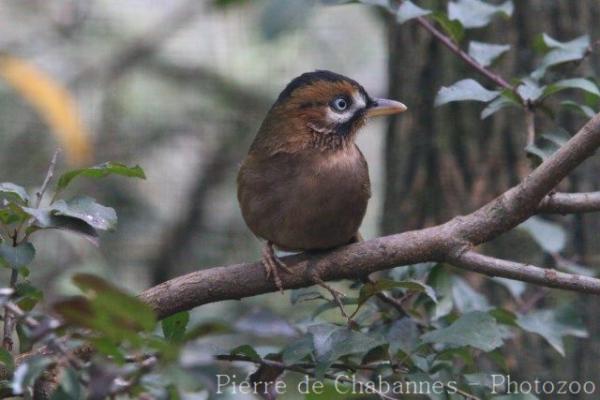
304 184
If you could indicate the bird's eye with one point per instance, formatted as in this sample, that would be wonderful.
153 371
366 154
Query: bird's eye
340 103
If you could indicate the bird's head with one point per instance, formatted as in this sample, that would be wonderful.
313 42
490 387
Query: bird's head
323 109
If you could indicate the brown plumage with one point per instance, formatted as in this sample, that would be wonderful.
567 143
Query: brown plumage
305 184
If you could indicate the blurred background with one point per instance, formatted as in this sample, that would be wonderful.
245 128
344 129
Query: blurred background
180 88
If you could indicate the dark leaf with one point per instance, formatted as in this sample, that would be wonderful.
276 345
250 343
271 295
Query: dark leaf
6 359
28 295
86 209
466 89
45 219
100 171
173 327
476 329
372 288
408 10
486 53
332 342
246 351
107 310
17 257
452 27
476 13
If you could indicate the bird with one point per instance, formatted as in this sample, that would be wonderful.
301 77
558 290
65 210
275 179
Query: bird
304 184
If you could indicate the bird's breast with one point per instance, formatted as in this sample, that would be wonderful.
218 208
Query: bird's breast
307 201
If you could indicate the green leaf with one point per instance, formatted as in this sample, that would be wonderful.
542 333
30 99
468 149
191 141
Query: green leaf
542 148
466 89
246 351
370 289
549 235
561 52
408 10
107 310
6 359
86 209
559 136
69 385
486 53
332 342
550 325
298 350
403 335
580 108
100 171
17 257
45 219
28 295
476 13
476 329
174 326
466 299
496 105
452 27
15 190
529 90
576 83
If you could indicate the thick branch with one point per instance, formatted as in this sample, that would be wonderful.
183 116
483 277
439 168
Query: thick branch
451 242
570 203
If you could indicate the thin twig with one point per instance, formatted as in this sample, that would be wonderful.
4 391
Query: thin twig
530 125
49 175
470 61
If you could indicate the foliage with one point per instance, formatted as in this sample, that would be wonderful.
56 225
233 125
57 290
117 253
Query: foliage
418 324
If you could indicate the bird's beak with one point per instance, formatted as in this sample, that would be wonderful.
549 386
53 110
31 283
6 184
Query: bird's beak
385 107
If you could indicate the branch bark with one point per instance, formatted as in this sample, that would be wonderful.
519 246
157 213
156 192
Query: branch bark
570 203
451 242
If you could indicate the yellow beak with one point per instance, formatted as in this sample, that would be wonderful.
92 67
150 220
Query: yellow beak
385 107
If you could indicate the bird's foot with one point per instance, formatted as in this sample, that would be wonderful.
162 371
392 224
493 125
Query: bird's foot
336 294
273 264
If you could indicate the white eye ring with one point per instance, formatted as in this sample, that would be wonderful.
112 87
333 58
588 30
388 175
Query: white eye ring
340 103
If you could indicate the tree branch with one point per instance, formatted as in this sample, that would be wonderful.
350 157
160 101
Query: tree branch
450 242
527 273
570 203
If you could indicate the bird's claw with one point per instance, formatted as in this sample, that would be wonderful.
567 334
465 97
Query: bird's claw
272 266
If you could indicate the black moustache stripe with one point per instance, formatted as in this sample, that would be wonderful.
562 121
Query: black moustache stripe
349 126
